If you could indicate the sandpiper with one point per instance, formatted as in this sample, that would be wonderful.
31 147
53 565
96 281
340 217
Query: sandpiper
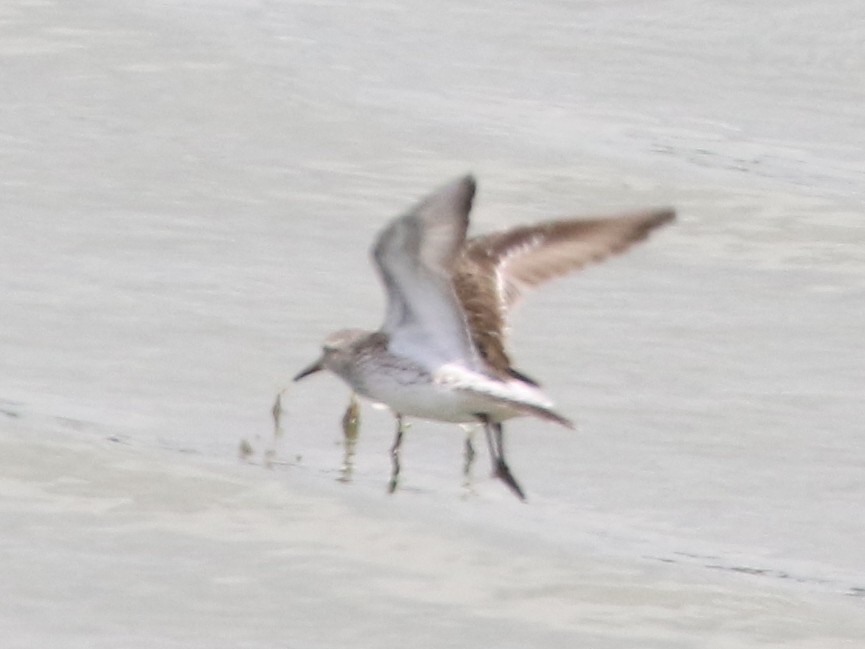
440 354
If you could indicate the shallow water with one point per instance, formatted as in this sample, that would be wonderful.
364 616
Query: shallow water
188 195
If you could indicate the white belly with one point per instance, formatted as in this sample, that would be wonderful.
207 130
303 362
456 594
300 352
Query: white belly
440 397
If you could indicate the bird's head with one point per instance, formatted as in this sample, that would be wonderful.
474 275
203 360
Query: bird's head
336 352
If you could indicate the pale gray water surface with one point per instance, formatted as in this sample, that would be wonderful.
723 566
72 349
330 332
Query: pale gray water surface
187 195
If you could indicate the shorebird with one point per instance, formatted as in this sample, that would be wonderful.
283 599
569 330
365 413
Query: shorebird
440 354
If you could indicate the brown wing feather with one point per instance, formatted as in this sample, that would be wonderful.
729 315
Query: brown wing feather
495 269
476 290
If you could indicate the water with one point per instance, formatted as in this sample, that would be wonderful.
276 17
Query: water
188 195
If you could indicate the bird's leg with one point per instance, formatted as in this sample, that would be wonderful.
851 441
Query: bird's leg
469 455
494 453
503 472
276 411
350 427
394 455
496 442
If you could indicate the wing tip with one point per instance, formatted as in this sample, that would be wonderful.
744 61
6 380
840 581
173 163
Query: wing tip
469 179
467 187
559 419
646 222
664 215
458 194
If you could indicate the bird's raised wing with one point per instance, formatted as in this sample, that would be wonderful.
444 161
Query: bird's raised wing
415 255
496 269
